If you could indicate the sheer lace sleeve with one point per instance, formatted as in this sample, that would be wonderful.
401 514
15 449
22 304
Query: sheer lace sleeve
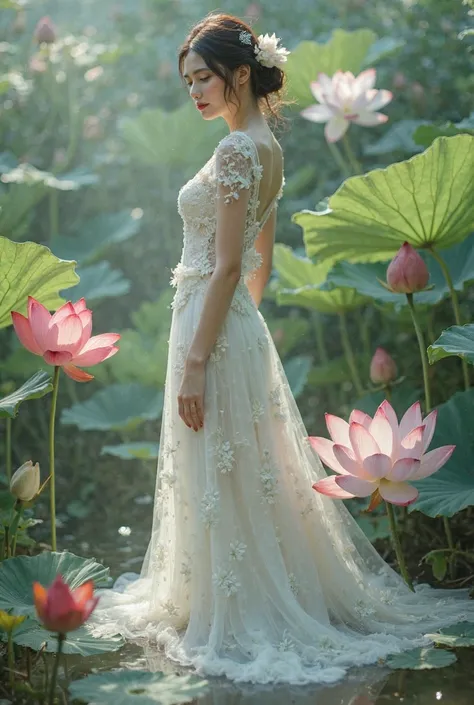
235 168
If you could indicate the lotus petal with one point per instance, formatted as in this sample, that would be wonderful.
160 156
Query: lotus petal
65 310
317 113
368 119
400 493
338 429
412 445
84 593
360 417
365 80
382 431
66 335
80 305
429 423
362 443
403 469
57 358
410 419
377 466
76 374
347 459
330 488
335 129
325 449
25 335
94 357
39 318
356 486
378 99
433 461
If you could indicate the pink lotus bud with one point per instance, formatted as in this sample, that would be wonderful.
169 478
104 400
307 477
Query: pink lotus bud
45 31
383 369
61 609
407 272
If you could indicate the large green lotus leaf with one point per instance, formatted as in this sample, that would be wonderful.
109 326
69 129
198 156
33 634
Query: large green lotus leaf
424 201
137 688
345 51
18 574
28 269
98 281
364 276
374 527
287 332
312 297
79 642
142 359
95 235
133 451
335 371
294 270
451 489
421 659
180 138
34 388
297 370
457 340
456 636
117 407
382 49
427 133
398 138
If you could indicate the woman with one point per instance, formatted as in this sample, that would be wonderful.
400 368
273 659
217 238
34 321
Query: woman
250 573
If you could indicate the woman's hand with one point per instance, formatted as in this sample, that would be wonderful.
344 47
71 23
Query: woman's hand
191 394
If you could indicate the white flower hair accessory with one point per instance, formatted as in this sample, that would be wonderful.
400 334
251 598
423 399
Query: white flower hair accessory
267 51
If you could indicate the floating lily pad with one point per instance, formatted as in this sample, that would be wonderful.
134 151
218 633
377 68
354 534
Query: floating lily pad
423 201
132 687
18 574
451 489
119 406
98 281
36 387
79 642
29 269
421 659
457 340
456 636
345 51
132 451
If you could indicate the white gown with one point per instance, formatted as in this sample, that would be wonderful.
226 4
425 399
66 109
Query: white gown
250 573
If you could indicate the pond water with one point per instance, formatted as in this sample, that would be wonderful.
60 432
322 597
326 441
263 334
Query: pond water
122 547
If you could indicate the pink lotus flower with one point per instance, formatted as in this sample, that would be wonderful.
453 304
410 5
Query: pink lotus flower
378 457
61 609
45 31
345 98
407 272
64 338
383 369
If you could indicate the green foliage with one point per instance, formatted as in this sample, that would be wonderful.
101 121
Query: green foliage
451 489
117 407
425 658
297 370
457 340
422 201
133 451
35 388
126 687
456 636
28 269
18 574
99 281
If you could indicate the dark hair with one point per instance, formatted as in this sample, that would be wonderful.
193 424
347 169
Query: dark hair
216 40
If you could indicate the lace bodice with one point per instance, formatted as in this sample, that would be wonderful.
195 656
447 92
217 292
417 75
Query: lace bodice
235 165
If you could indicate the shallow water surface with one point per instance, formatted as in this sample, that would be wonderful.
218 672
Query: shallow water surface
122 548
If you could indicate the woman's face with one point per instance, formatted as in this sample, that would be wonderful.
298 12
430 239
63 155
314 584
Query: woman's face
205 87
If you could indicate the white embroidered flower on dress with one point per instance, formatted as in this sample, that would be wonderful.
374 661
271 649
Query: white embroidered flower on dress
220 347
224 451
209 510
287 643
237 551
258 410
268 479
294 586
170 608
186 572
226 580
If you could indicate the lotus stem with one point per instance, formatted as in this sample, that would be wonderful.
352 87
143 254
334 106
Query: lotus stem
455 304
54 675
339 159
8 449
353 161
398 546
52 488
7 541
11 659
349 355
15 524
422 346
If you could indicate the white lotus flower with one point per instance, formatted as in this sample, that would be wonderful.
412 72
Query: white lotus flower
25 482
345 98
268 53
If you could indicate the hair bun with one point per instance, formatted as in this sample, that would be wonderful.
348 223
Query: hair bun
269 80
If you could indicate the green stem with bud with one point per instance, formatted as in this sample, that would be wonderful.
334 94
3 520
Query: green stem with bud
353 161
8 448
54 675
455 304
398 546
52 489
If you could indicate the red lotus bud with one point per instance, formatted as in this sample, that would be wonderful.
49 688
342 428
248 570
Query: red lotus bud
45 31
383 369
407 272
